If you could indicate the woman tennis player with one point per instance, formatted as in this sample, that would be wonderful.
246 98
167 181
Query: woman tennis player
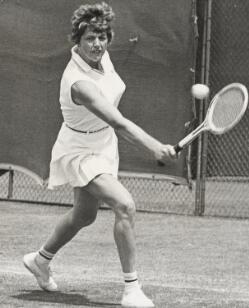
85 154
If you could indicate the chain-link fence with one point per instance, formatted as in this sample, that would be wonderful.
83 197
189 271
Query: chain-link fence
151 193
227 168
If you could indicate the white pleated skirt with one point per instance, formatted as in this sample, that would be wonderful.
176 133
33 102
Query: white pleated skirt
77 158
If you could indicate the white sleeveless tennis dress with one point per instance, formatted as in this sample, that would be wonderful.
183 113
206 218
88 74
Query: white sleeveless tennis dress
86 146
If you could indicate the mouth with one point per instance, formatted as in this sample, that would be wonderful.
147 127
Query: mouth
97 51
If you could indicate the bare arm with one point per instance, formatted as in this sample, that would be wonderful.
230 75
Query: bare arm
86 93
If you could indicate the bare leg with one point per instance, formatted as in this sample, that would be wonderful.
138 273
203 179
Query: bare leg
112 192
82 214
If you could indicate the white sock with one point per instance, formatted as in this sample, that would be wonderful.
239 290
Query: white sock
131 281
44 257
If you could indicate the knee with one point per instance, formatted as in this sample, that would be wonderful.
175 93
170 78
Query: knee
79 222
87 219
126 209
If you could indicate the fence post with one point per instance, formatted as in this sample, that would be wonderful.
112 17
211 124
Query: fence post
206 103
10 184
202 140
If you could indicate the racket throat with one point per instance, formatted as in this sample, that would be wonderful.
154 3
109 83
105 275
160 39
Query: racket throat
193 135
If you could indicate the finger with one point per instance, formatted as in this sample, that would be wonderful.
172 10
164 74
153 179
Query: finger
172 152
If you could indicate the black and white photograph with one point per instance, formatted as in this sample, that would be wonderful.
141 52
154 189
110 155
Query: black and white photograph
124 149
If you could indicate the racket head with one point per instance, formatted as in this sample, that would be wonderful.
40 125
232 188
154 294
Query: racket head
227 108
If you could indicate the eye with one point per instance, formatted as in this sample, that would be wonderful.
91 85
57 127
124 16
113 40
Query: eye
90 38
103 37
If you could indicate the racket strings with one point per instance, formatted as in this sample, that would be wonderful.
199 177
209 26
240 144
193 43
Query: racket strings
228 108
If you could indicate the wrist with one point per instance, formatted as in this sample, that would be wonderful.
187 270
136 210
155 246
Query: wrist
157 150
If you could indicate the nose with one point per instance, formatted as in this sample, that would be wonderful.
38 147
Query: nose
96 42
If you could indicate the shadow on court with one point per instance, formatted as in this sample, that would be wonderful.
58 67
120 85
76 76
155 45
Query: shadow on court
173 298
73 299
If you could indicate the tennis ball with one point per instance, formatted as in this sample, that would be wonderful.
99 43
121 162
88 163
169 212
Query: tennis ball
200 91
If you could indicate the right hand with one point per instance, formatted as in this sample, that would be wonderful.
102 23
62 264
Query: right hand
166 153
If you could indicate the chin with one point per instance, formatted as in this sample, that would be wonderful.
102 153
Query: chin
97 58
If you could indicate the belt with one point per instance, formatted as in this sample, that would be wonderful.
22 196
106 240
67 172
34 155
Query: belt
87 131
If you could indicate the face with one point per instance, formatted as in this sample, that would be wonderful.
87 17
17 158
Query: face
92 46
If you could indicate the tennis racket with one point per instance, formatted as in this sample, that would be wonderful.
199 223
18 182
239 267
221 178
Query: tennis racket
225 111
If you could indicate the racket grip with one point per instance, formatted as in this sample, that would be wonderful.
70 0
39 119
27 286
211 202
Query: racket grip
177 148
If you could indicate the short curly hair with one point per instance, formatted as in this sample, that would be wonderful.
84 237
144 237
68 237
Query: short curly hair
99 16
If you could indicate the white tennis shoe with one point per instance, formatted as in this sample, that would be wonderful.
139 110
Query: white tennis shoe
136 299
42 273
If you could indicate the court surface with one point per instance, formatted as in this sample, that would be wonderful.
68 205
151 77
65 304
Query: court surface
183 261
